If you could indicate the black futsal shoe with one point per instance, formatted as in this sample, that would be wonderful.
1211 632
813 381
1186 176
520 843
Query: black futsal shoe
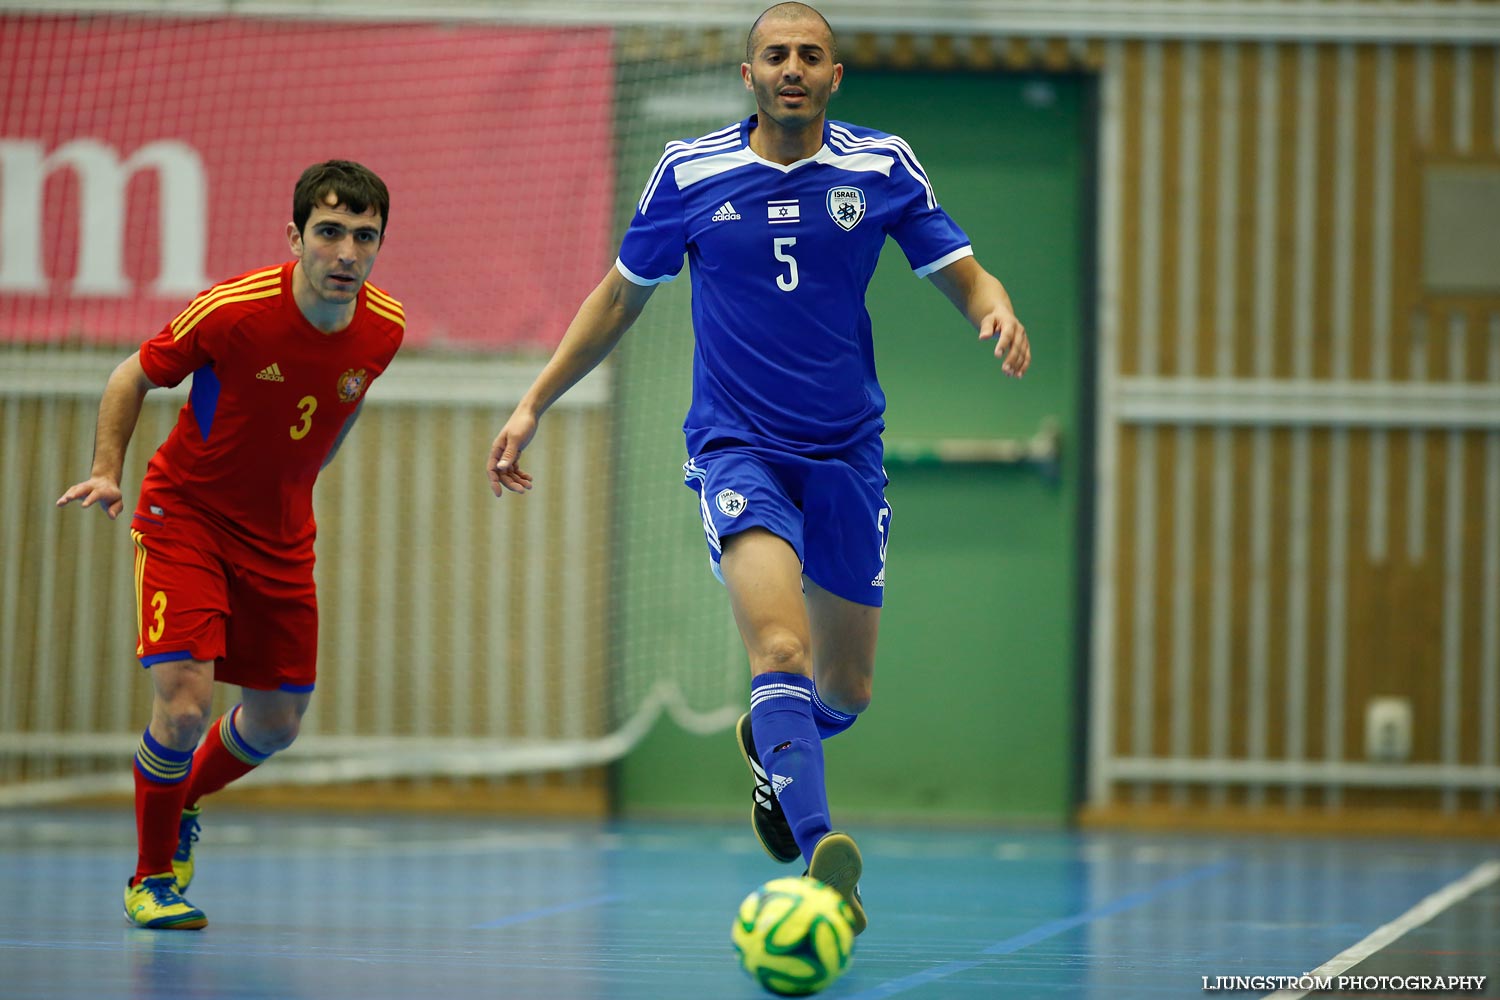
766 817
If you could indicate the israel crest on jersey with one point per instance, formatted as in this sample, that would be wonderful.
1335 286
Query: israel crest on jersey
847 206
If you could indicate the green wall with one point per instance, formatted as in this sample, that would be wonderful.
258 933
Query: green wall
975 709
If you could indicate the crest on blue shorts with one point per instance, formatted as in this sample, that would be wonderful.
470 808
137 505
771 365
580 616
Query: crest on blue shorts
847 206
730 502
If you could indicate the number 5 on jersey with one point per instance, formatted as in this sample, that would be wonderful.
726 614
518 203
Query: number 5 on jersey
781 246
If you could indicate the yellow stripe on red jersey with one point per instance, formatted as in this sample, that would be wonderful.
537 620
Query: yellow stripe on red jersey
379 302
384 298
396 318
225 292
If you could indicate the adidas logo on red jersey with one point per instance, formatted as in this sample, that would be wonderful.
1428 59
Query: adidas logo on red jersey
271 373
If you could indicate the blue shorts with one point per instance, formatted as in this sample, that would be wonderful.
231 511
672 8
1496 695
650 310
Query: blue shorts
832 511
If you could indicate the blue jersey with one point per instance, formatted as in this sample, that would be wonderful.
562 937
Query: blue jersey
781 258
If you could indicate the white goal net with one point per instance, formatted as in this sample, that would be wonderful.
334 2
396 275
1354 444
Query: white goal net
145 156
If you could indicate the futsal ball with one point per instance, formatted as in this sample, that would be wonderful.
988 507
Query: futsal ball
793 936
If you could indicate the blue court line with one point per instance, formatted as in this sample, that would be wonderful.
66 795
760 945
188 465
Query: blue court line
1050 929
548 911
1130 901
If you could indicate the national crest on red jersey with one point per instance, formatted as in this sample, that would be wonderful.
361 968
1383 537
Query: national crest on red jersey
351 385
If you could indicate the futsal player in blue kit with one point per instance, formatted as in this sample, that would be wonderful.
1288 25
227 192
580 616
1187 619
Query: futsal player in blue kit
782 217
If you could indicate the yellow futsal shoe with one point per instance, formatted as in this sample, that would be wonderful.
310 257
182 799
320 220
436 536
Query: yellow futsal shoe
187 836
837 864
153 902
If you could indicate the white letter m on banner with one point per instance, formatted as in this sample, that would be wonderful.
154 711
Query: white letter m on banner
182 187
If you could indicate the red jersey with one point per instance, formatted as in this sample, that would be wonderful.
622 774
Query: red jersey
270 394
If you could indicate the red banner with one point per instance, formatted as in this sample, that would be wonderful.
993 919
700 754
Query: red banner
143 159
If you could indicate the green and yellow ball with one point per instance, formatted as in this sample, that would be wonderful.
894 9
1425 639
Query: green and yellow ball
793 936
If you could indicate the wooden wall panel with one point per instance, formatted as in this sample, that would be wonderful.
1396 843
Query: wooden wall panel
442 616
1327 563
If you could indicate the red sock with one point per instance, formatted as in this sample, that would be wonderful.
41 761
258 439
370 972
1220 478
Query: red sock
223 757
160 790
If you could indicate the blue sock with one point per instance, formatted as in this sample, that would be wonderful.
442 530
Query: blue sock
786 740
830 723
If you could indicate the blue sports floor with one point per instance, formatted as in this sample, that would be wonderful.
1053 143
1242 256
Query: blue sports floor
305 907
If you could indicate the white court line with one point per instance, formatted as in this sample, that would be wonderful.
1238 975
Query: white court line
1455 892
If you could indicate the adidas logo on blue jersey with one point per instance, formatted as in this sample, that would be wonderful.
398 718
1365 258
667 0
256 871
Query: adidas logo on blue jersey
725 213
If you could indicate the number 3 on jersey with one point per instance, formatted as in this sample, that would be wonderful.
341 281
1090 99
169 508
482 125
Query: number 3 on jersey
780 246
306 405
158 605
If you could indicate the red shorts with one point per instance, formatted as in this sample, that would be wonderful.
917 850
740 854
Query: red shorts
203 594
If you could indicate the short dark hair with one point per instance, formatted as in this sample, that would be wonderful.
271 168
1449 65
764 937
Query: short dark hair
356 185
788 11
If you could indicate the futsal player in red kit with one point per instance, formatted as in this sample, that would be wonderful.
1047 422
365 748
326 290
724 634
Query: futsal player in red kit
280 359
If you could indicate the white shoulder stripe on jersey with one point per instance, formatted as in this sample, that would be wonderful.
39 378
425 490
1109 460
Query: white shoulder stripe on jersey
858 162
671 158
679 145
674 145
710 137
847 139
636 279
703 168
914 170
842 132
902 153
851 142
726 138
898 149
944 261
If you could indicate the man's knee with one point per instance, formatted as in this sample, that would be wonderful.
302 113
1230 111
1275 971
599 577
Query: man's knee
270 727
849 693
183 699
782 653
182 720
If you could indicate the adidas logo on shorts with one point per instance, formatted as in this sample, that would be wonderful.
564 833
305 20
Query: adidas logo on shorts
725 213
271 373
